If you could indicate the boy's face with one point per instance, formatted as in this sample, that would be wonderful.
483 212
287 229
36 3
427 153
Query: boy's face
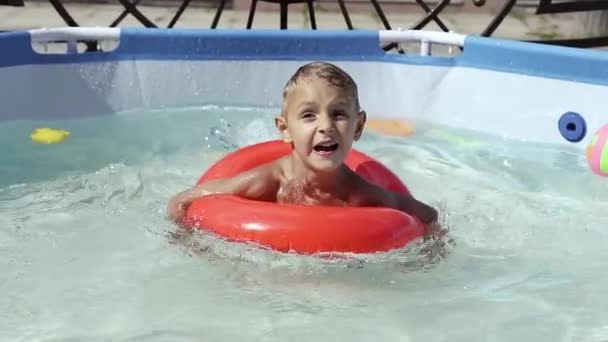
321 121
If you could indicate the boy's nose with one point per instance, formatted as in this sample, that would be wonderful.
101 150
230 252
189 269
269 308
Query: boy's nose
326 125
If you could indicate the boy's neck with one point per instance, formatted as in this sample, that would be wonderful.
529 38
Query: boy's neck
325 181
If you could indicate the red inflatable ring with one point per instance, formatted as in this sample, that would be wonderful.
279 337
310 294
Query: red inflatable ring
300 228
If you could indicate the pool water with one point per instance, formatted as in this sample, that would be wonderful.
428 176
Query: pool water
88 255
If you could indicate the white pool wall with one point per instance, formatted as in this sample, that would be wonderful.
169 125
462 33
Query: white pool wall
510 89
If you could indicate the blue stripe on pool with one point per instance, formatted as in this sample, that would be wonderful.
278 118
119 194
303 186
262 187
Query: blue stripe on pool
547 61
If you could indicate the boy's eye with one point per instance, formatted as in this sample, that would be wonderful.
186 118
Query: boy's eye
340 114
307 115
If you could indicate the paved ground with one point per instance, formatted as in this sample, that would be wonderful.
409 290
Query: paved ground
521 23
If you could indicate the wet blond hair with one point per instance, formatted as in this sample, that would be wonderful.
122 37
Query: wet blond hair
329 73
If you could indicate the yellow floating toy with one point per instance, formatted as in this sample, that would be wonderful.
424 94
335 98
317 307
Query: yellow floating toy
49 135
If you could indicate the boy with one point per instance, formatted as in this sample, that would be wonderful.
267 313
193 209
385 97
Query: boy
321 118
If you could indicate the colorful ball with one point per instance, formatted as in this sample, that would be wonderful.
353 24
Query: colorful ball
597 152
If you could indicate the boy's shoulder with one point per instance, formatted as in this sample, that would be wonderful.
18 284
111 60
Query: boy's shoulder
261 181
269 171
270 168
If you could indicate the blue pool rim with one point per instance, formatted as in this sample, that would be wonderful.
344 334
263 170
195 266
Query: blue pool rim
547 61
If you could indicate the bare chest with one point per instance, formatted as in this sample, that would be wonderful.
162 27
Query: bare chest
297 192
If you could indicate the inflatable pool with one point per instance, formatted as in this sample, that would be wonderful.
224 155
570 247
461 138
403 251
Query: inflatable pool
514 90
85 253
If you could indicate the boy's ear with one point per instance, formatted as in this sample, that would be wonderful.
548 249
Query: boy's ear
281 123
361 118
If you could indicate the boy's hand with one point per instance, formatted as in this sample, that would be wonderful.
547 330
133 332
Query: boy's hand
434 231
176 208
436 241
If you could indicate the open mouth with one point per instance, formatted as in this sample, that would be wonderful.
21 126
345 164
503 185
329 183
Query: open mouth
326 147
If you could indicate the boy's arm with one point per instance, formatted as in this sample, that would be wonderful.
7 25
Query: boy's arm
405 203
426 214
257 183
412 206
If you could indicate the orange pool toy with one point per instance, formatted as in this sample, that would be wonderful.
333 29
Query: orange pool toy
300 228
390 127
